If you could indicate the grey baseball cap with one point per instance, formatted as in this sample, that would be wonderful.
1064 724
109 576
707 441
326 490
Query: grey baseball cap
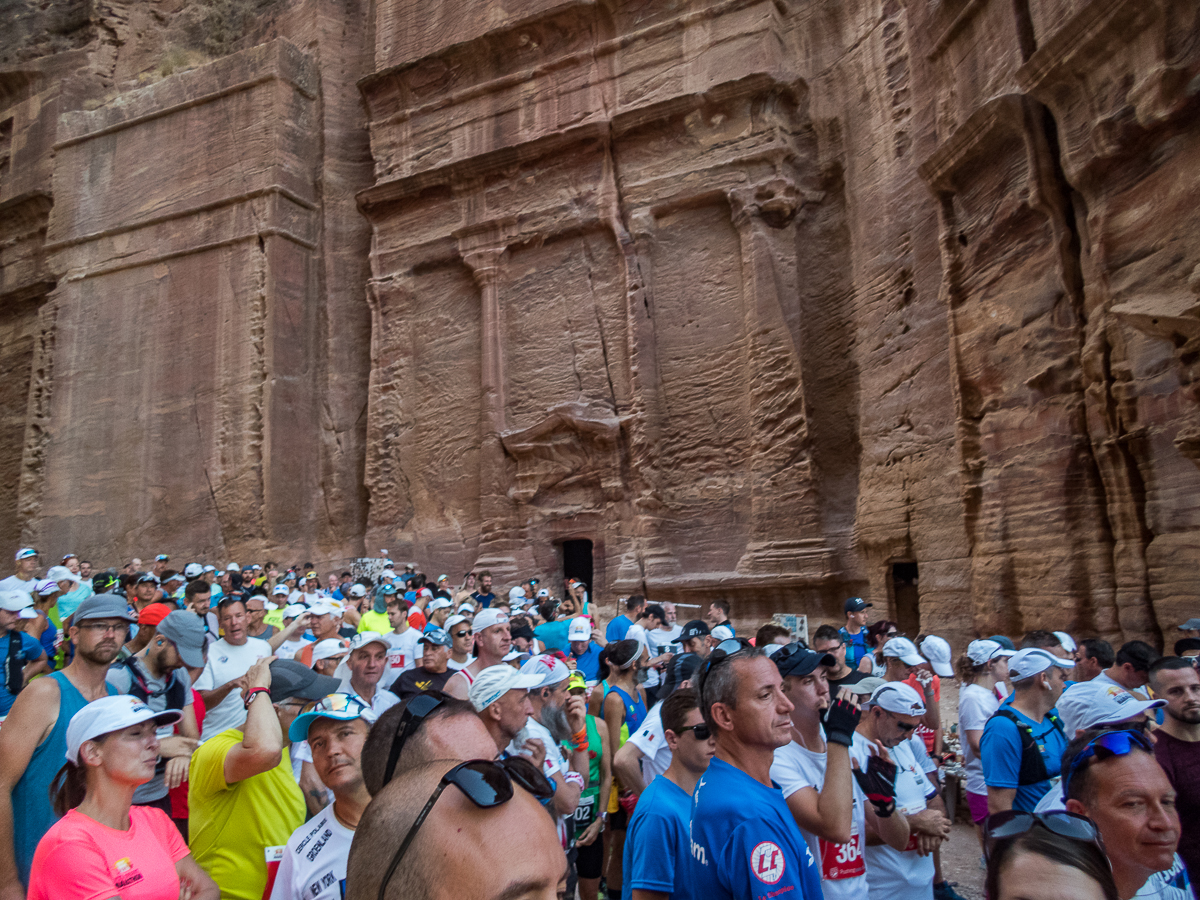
290 678
102 606
185 630
1190 625
437 637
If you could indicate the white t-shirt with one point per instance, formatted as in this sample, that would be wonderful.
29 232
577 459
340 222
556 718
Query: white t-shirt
13 583
843 866
380 703
455 666
651 740
555 761
314 862
404 652
975 706
289 649
900 874
225 663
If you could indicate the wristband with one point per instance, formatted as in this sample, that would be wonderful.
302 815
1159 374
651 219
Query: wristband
252 693
573 777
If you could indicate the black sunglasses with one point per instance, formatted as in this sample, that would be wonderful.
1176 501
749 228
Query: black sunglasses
415 713
485 783
700 731
1013 823
722 652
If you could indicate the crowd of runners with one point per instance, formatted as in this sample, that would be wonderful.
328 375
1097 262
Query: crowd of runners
266 732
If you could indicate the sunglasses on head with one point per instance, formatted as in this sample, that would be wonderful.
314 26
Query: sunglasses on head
1105 746
415 713
485 783
1013 823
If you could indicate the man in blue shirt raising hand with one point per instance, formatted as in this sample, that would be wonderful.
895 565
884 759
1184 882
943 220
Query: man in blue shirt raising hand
744 842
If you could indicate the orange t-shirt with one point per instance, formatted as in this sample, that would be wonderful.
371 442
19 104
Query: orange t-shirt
84 860
416 619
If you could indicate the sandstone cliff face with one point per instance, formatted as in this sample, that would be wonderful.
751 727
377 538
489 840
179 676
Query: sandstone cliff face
769 301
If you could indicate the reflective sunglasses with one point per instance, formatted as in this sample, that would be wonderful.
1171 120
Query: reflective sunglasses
485 783
1105 746
414 715
1013 823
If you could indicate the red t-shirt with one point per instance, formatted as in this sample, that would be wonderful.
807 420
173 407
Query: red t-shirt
416 619
84 860
926 734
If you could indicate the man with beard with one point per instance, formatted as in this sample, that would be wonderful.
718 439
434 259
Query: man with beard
1177 748
33 742
313 866
158 677
492 643
558 718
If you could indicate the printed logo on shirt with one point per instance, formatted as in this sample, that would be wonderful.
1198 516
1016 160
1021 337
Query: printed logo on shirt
126 873
767 863
319 884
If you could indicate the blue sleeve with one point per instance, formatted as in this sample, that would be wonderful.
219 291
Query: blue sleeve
1000 753
649 862
31 648
617 629
755 864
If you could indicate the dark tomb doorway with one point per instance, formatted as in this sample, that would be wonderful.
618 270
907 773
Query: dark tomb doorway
577 562
907 598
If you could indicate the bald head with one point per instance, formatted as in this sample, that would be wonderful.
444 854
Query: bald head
514 846
452 731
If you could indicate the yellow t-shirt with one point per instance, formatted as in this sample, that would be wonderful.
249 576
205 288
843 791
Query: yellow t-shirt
373 621
232 826
274 617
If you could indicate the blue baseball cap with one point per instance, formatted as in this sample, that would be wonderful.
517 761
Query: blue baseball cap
341 706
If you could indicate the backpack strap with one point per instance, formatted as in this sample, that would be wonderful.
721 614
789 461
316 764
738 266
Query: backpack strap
1033 766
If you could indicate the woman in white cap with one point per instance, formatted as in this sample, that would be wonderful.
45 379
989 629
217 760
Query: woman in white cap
103 846
981 674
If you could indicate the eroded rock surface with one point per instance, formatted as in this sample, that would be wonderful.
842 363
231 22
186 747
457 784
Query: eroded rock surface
771 301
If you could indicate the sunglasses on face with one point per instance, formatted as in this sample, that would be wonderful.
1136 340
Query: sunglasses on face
418 709
1014 823
462 634
700 731
1104 746
485 783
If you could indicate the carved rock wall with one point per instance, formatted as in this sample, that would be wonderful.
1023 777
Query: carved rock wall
767 300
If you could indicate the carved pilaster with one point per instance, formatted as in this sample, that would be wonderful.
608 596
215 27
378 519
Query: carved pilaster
782 491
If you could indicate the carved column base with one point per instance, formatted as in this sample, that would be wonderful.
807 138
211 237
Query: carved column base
808 557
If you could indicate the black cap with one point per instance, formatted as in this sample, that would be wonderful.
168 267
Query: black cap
522 631
799 661
694 629
290 678
855 604
682 668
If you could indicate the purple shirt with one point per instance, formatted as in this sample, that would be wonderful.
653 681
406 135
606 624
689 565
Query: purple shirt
1181 761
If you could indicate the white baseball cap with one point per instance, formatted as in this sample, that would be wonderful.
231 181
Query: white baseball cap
294 609
325 608
193 570
722 633
363 638
210 568
1091 704
109 714
1032 660
454 620
280 590
62 573
904 650
1068 642
467 608
937 651
580 629
984 651
358 590
233 567
898 697
329 648
18 602
489 617
438 603
543 593
495 681
549 669
517 593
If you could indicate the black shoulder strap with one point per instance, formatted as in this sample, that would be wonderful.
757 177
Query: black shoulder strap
1033 766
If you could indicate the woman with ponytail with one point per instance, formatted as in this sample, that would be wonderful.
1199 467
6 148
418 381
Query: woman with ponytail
980 670
103 846
624 710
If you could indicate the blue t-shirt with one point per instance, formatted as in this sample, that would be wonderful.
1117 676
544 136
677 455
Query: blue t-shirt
617 629
484 600
1000 753
589 663
856 646
745 843
657 847
554 635
30 650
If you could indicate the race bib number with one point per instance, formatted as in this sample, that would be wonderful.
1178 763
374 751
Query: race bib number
585 812
767 862
396 659
841 861
273 856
